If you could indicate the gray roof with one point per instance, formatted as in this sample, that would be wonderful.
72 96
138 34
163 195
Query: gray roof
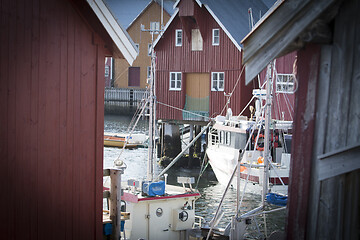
126 11
234 16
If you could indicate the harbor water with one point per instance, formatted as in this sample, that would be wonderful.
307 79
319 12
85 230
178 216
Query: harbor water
211 191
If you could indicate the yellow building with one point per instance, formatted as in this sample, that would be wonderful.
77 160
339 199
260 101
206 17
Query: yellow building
151 17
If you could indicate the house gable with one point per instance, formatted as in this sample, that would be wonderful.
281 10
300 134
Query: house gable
224 58
151 13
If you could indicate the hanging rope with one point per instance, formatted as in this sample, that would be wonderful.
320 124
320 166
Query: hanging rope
183 110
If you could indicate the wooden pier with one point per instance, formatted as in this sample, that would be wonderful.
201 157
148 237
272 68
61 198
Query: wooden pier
125 94
123 100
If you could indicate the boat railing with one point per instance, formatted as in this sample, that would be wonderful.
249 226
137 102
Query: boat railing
125 94
213 137
198 221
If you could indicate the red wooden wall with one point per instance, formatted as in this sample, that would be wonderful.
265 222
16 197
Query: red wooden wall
51 122
283 102
225 58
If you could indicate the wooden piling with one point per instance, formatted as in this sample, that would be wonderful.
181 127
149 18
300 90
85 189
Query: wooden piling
115 200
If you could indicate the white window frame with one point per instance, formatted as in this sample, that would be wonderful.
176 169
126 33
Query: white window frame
214 42
177 44
149 49
176 80
107 70
148 73
154 25
215 85
285 83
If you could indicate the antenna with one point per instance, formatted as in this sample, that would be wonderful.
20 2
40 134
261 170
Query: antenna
162 14
152 107
251 19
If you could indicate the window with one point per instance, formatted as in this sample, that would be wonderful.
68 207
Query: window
217 81
107 70
154 26
137 46
148 71
178 37
149 49
196 40
285 83
215 37
225 138
175 80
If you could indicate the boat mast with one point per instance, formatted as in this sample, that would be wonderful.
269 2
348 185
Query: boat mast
150 162
267 133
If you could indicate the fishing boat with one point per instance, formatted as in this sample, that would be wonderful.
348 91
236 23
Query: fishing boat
229 135
127 140
254 150
157 210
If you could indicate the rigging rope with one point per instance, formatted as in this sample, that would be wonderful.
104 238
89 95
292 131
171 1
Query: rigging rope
183 110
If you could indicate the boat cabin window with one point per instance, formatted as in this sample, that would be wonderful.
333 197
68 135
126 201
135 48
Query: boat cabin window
213 137
225 138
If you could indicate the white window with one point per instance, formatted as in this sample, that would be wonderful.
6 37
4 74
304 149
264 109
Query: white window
196 40
148 72
175 80
149 49
224 138
285 83
215 37
107 71
154 26
217 81
178 37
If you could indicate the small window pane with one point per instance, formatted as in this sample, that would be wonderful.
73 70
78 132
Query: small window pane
221 85
178 37
221 76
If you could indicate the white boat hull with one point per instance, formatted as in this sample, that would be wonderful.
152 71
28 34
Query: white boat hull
223 161
146 223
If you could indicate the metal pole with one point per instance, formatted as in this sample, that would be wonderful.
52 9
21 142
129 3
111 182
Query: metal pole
267 133
150 165
182 152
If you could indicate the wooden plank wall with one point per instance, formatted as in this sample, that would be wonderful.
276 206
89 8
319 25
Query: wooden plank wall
327 208
336 200
223 58
51 122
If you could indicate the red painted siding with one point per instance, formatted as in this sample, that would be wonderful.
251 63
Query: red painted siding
302 144
223 58
51 122
186 8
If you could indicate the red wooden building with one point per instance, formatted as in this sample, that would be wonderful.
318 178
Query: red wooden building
324 196
199 59
52 55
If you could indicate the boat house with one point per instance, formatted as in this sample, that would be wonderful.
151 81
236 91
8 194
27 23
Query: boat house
52 62
199 59
325 168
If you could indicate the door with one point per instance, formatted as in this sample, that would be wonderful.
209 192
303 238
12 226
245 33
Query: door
134 77
197 95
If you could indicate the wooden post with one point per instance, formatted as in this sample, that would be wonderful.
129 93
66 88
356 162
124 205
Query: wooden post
115 200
